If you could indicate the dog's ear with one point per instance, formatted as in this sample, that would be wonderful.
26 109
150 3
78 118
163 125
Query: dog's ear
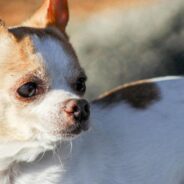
53 13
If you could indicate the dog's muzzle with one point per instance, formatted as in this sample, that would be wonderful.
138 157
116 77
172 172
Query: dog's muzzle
79 112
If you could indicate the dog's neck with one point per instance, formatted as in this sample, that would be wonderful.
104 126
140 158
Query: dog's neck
12 155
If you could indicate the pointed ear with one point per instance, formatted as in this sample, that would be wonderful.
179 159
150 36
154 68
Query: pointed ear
52 13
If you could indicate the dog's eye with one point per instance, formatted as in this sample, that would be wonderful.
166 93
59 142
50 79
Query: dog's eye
28 90
80 85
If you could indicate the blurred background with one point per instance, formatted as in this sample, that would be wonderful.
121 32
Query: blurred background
118 41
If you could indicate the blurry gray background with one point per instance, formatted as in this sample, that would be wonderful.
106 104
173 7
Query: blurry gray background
119 41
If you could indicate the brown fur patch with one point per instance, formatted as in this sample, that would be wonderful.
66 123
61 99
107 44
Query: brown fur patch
139 95
17 58
20 57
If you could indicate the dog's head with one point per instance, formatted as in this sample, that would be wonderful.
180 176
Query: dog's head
41 81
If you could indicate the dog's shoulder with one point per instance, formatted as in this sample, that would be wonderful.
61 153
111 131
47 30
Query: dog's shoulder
140 94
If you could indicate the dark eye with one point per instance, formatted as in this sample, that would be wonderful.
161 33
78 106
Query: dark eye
28 90
80 85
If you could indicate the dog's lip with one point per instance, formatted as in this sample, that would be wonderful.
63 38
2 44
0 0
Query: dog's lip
72 133
75 130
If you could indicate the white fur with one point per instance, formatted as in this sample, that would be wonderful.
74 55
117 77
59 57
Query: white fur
124 146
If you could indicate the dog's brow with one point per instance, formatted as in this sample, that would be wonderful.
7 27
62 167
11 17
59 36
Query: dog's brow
38 73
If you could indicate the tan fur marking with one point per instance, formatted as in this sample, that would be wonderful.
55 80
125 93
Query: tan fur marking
139 95
18 59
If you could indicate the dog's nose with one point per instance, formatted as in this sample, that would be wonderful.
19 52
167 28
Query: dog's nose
80 109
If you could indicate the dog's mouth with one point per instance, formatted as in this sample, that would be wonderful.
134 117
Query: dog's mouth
71 133
74 130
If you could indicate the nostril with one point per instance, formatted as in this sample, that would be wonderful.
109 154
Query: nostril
77 115
76 109
71 107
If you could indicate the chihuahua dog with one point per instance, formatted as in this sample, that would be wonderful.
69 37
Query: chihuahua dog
41 88
136 133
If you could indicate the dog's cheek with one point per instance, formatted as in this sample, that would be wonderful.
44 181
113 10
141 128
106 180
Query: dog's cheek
19 123
47 117
50 111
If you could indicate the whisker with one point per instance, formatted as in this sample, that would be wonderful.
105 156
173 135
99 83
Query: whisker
58 157
71 146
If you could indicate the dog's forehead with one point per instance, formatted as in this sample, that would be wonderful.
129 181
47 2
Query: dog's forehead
56 53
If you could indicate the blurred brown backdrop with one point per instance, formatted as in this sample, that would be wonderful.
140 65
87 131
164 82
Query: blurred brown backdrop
18 10
118 41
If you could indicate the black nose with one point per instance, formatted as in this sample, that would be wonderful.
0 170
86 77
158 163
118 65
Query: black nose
81 110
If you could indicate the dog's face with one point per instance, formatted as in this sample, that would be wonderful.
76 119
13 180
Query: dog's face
41 86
